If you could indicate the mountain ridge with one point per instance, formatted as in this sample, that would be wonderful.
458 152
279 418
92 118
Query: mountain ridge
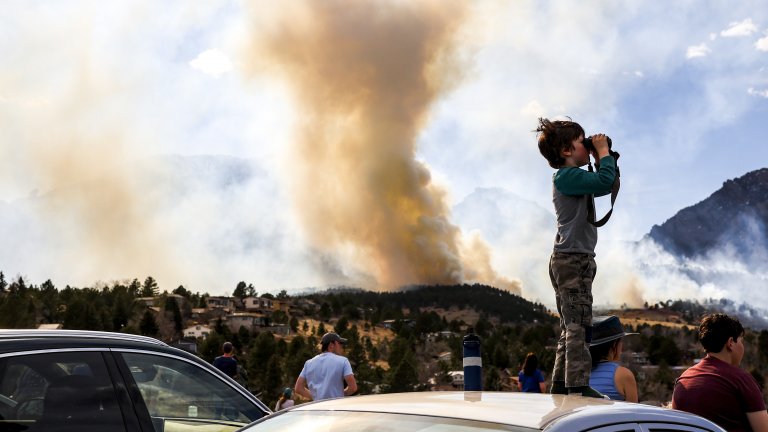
734 216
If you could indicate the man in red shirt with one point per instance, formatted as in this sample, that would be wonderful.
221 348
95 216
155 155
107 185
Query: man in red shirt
716 388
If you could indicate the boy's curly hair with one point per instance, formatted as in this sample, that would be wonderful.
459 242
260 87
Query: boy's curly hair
556 136
715 329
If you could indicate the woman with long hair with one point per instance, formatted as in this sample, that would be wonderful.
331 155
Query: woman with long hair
608 376
530 379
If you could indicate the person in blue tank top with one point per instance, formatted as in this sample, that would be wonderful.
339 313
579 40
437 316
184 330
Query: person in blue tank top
608 376
530 379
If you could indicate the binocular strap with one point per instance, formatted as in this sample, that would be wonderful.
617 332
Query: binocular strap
591 201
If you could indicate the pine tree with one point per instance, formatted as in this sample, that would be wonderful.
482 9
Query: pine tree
148 325
150 288
240 290
172 307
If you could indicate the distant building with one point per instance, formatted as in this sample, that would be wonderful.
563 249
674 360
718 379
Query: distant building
258 304
445 357
457 379
638 358
197 331
220 303
388 324
433 337
248 320
180 299
50 326
198 313
305 302
146 301
280 329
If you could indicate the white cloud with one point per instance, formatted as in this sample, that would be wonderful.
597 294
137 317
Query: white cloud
697 51
212 62
533 109
762 44
712 36
755 92
735 29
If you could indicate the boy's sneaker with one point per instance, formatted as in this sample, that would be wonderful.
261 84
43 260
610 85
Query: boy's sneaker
558 387
586 391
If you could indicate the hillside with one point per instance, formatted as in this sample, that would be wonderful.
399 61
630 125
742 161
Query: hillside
733 217
482 299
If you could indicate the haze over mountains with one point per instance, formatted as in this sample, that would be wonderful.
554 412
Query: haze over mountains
713 249
208 222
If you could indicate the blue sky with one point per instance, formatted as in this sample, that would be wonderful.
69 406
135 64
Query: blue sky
682 88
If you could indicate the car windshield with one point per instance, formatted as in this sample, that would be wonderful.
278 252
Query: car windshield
334 421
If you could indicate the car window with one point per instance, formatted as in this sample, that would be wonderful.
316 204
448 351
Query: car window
181 395
334 421
57 392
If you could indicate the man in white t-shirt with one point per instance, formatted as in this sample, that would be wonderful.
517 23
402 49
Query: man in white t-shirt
324 376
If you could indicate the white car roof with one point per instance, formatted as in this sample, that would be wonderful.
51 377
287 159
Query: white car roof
530 410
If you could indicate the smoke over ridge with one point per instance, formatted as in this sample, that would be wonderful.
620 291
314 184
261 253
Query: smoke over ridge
365 75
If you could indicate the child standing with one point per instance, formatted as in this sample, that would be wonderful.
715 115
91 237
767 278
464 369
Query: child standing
572 264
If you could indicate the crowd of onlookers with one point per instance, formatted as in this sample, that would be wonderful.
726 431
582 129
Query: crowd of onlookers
715 388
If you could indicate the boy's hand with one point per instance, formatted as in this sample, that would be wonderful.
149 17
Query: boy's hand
600 142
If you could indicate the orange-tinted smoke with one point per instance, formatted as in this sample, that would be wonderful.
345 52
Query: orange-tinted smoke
365 75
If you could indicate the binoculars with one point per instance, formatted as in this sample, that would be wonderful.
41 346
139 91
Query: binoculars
590 147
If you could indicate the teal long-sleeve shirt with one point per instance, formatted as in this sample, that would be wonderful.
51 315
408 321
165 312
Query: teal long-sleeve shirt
572 188
576 181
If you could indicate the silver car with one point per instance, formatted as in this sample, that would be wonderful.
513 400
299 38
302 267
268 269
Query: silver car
479 411
85 381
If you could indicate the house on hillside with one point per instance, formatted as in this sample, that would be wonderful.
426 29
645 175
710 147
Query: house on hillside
445 357
637 358
434 336
180 300
220 303
198 313
251 321
280 329
281 305
258 304
457 379
390 323
197 331
146 301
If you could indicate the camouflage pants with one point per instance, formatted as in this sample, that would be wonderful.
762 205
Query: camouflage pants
571 276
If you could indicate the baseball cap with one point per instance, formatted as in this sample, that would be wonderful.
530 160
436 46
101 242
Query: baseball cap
332 337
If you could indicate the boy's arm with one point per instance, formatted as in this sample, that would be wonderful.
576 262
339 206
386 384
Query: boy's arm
576 181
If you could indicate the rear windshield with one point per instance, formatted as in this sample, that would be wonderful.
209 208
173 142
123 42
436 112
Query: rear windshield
335 421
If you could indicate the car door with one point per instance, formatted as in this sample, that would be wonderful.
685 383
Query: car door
178 394
650 427
623 427
58 391
669 427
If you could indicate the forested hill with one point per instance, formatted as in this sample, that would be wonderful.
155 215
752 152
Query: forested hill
486 300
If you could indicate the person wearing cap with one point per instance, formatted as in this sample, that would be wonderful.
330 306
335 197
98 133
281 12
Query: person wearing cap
608 376
285 400
324 376
716 388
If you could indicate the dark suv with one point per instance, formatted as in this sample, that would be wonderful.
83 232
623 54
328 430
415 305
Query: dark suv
68 380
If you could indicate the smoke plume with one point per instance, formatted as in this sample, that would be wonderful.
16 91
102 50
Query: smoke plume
365 75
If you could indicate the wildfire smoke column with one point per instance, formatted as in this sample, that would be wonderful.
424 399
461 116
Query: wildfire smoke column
364 75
